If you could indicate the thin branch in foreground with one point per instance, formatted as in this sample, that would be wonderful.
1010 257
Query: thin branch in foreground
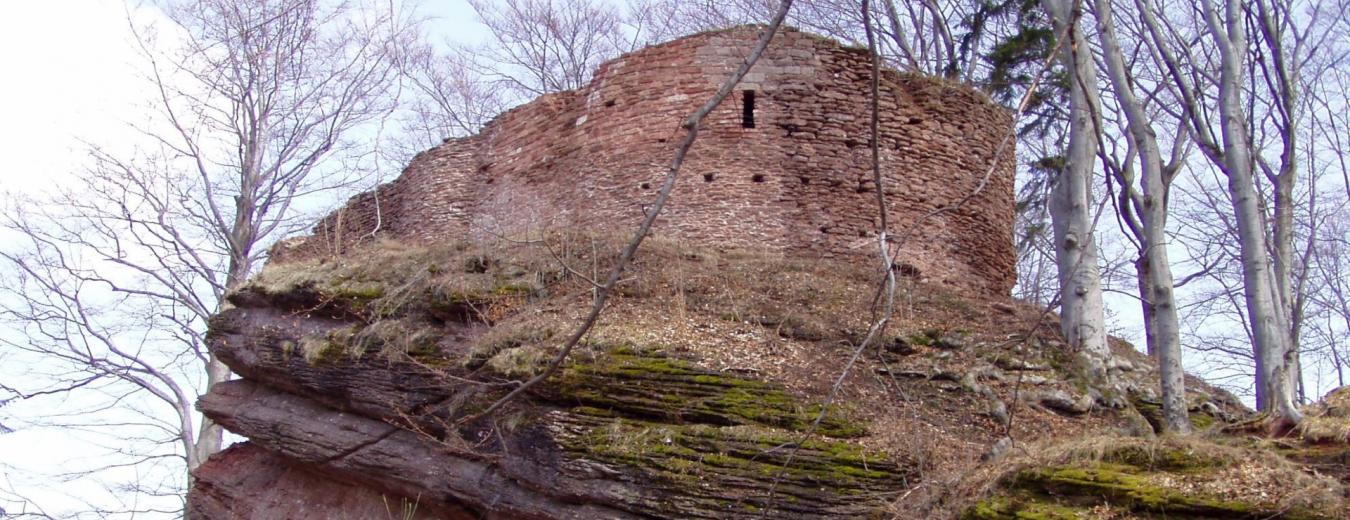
886 290
887 261
691 127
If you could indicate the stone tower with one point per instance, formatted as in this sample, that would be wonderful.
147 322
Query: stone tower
783 163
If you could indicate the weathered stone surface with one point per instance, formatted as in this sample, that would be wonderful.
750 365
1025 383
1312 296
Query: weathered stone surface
800 180
395 460
1061 401
258 343
246 482
565 465
623 434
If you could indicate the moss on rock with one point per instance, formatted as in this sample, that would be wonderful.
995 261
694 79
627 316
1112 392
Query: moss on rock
675 452
654 386
735 445
1169 478
1151 410
1124 487
1005 507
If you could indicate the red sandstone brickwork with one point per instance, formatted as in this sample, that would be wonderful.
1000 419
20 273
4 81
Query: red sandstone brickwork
799 181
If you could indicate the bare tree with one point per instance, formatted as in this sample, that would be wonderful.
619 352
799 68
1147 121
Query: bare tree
1082 311
1325 327
938 37
447 97
1148 202
535 47
1328 329
1037 274
114 280
1240 98
542 46
14 504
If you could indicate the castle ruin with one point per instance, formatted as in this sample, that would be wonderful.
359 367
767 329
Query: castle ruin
783 163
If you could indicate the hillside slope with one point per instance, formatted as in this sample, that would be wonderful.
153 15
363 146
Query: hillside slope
698 395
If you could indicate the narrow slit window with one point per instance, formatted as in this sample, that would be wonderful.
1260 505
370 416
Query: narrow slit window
748 109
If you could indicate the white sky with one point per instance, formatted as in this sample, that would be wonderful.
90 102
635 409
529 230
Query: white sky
68 77
68 69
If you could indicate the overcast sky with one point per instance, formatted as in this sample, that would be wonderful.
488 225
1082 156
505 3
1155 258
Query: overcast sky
69 78
66 79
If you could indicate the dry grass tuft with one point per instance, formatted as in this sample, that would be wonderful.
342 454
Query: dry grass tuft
783 320
1192 466
1327 420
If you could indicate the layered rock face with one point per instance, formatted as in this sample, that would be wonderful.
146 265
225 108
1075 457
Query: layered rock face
350 387
783 163
246 481
700 394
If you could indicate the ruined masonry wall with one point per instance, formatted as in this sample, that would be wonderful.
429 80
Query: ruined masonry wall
799 181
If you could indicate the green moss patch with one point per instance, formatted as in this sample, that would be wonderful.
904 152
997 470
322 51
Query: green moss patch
1074 492
1124 487
1153 413
1168 478
728 445
652 386
1021 508
678 453
390 280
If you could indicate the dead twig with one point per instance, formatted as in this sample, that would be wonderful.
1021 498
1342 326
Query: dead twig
691 127
886 290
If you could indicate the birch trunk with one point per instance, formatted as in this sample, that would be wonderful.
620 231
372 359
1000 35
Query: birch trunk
1269 319
211 436
1272 23
1082 317
1155 269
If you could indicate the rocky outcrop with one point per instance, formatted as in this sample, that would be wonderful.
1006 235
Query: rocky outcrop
1170 477
699 396
569 462
398 462
335 384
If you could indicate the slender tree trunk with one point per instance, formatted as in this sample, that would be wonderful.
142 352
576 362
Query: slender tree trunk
211 436
1146 309
1281 71
1161 302
1082 312
1155 269
1284 238
1269 318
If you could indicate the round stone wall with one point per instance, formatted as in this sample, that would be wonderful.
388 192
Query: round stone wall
783 163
